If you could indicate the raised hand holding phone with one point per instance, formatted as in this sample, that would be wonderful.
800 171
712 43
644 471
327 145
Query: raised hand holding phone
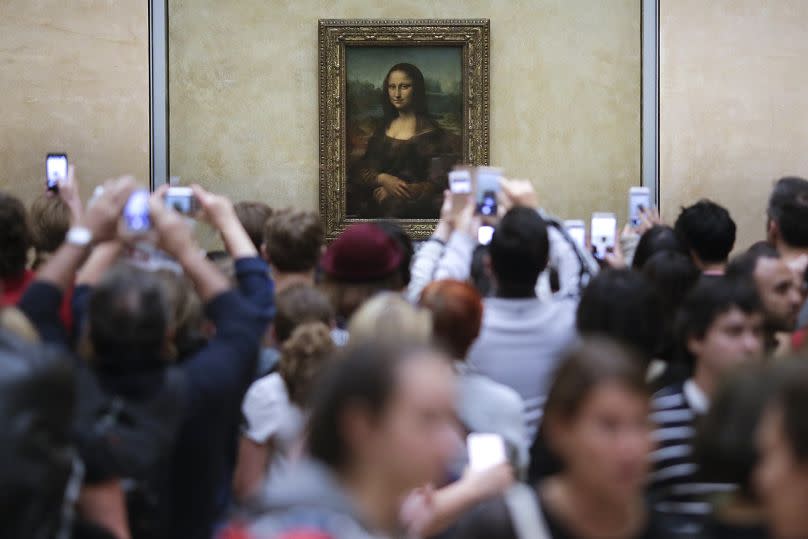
603 233
55 170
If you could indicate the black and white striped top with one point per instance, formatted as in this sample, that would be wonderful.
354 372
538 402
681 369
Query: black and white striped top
674 482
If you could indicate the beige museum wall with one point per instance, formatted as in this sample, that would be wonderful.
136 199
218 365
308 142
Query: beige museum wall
565 94
73 77
734 105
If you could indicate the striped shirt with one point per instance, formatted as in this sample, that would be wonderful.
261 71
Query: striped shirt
675 486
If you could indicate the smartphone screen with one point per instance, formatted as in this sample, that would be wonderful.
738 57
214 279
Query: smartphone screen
460 182
639 199
181 199
577 231
136 212
55 170
484 234
602 232
485 451
487 189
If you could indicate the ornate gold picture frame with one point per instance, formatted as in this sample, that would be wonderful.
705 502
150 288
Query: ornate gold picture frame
401 101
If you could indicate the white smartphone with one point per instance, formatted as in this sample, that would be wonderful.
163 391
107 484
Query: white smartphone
487 190
603 232
55 170
182 200
460 181
484 234
485 450
576 228
639 199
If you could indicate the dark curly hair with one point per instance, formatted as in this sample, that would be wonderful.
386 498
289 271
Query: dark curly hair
15 236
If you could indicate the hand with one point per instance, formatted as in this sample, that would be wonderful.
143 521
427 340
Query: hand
214 209
518 193
615 258
491 482
649 218
380 195
394 186
418 510
467 220
172 229
102 217
69 192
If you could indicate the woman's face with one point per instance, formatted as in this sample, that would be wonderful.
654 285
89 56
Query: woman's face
400 90
414 440
781 479
606 445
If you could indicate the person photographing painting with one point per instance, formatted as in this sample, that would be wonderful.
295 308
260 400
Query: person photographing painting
404 169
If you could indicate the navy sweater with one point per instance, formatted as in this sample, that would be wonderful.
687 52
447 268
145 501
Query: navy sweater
217 375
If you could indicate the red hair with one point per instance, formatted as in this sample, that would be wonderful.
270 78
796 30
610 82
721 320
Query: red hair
457 314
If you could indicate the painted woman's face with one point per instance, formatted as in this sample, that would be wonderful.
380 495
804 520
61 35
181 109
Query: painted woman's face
399 90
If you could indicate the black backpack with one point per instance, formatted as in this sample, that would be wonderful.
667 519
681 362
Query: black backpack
133 440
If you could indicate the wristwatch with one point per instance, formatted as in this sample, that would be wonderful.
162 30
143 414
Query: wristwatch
79 236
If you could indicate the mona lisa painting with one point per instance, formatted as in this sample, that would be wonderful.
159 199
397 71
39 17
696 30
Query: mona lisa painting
401 103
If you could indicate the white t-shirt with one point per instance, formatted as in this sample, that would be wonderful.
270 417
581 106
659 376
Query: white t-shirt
271 416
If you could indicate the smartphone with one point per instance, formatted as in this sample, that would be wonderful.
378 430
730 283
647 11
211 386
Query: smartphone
577 231
487 190
484 234
136 212
460 181
639 199
485 451
603 232
182 200
55 170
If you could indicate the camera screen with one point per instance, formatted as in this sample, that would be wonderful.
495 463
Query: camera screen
56 169
639 202
484 235
460 181
136 212
578 235
180 203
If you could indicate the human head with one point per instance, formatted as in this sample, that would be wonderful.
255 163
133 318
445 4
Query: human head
303 356
596 419
362 261
186 317
389 318
385 412
657 238
519 251
404 89
788 213
293 240
298 305
128 317
782 437
253 216
622 305
15 236
707 231
37 390
776 284
395 231
457 314
50 220
720 327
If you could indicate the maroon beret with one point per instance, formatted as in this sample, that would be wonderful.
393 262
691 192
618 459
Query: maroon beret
363 252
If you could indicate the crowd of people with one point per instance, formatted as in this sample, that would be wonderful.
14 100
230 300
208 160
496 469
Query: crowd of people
289 388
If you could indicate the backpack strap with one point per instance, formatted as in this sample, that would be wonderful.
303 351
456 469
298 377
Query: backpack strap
523 505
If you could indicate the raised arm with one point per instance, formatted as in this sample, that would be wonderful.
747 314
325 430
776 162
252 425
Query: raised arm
43 298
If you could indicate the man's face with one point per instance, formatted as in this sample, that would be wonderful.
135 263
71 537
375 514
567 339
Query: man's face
734 338
779 293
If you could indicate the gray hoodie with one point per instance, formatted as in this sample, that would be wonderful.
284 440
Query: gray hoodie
305 497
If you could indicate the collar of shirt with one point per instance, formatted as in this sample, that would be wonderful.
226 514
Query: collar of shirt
696 398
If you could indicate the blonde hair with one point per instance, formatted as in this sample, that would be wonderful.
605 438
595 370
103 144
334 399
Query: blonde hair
14 321
388 318
303 356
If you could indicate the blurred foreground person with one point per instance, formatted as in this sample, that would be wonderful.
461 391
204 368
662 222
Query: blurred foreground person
782 473
596 423
381 424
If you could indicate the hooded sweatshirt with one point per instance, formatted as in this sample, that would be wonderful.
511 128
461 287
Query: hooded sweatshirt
304 500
